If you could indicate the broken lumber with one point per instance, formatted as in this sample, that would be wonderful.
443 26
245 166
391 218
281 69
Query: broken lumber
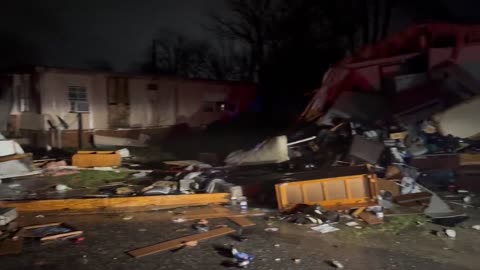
178 243
370 218
115 203
412 199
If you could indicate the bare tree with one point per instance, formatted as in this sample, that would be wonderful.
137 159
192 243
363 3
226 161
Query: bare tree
387 17
250 22
376 20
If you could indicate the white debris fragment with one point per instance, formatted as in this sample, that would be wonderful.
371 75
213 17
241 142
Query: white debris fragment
451 233
476 227
179 220
337 264
61 187
352 224
325 228
271 229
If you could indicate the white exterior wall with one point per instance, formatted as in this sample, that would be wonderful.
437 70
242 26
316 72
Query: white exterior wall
151 108
54 98
175 100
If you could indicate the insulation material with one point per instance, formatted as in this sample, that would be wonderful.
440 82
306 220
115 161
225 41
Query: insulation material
274 150
460 121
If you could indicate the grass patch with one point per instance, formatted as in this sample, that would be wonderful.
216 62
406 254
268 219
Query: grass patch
392 225
88 179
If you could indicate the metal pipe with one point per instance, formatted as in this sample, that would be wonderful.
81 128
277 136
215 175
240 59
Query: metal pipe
302 141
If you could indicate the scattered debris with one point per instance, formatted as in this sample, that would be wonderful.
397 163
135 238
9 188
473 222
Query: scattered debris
50 231
336 264
7 215
325 228
352 224
61 187
476 227
451 233
242 259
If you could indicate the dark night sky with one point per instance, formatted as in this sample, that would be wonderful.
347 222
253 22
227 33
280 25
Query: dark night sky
71 33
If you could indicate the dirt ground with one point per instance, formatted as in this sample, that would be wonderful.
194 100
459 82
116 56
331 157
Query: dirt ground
402 243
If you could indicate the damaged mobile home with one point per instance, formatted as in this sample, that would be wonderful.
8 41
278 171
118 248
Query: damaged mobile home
44 104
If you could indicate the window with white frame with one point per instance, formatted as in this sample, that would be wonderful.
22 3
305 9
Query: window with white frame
77 95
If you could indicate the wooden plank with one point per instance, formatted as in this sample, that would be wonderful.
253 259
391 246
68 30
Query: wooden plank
370 218
390 186
242 221
123 202
15 157
61 235
179 242
412 198
469 159
42 226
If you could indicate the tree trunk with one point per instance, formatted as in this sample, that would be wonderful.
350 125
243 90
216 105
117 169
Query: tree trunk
376 20
387 18
365 21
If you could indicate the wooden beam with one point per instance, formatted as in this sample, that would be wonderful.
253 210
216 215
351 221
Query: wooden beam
178 243
212 214
15 157
114 203
242 221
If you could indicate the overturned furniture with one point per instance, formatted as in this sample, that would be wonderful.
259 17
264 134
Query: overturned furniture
331 193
